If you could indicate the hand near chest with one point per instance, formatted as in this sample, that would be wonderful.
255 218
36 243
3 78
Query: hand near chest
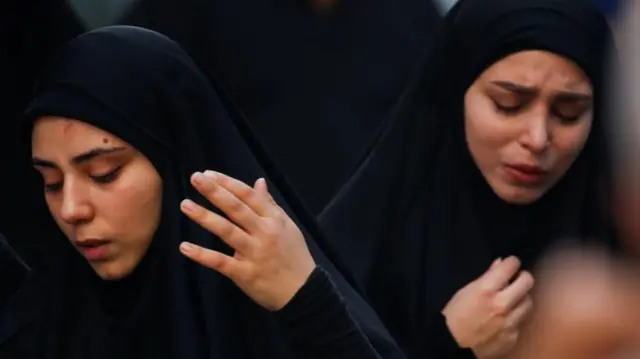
487 314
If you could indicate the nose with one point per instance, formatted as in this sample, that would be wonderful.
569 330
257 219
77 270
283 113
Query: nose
536 137
76 207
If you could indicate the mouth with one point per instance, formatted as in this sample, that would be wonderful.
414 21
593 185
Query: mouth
93 249
526 174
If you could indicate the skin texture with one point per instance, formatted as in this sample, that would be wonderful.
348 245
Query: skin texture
533 108
114 196
487 314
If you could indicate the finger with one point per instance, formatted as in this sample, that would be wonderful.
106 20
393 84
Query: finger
495 263
243 192
261 188
519 313
224 264
498 277
235 237
228 203
514 293
264 189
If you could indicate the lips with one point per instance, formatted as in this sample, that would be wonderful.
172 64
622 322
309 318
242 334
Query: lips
93 249
526 174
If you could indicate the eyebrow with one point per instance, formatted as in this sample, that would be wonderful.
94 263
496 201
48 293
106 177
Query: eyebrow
79 159
529 91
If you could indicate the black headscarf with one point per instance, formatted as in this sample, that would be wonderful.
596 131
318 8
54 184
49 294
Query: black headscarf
316 87
141 87
31 33
418 222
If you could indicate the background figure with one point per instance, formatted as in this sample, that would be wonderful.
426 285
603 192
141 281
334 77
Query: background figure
610 7
625 109
315 86
31 33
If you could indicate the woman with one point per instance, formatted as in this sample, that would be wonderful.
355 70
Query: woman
496 151
121 120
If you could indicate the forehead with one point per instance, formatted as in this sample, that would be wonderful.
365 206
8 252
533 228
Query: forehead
538 68
68 135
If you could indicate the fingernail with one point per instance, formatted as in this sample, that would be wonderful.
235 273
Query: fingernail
197 178
188 205
187 247
211 174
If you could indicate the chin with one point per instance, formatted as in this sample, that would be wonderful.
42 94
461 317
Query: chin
111 271
519 196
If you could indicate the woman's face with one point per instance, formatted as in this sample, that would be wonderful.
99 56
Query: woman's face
104 194
527 118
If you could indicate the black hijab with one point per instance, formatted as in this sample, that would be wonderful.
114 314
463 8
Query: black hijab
417 221
141 87
31 33
316 87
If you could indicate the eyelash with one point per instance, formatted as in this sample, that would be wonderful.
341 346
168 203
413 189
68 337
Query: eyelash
107 178
515 109
507 110
103 179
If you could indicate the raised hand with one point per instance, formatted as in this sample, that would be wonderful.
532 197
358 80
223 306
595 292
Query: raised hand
271 260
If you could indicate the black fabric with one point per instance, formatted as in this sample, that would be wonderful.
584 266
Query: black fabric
141 87
417 222
31 32
13 271
316 87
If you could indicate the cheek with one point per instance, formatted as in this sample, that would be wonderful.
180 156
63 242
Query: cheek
134 211
570 141
485 131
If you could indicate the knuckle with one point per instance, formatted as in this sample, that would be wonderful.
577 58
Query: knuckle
225 229
527 278
222 265
244 192
484 288
270 230
499 307
236 206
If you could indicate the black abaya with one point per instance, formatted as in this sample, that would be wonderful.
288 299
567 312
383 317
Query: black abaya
418 222
31 32
315 87
149 93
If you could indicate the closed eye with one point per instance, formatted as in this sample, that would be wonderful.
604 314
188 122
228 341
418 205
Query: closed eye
108 177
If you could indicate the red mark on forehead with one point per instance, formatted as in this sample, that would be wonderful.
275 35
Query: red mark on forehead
105 140
68 126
